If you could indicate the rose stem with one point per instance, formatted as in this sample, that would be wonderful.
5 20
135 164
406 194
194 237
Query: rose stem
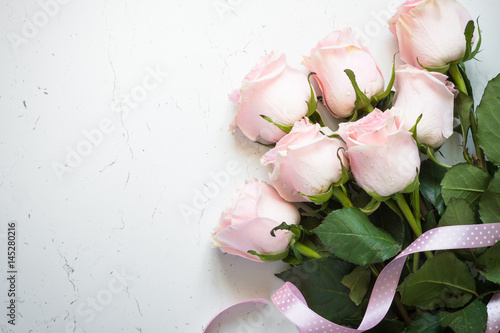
457 77
397 299
414 224
402 309
307 251
416 259
338 194
459 81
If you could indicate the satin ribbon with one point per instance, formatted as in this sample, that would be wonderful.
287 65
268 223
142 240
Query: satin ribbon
292 304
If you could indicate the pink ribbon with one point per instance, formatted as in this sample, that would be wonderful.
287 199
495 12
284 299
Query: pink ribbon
292 304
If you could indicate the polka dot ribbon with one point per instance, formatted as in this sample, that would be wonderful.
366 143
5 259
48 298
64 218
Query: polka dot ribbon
292 304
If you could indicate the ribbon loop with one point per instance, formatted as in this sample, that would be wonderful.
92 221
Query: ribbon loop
292 304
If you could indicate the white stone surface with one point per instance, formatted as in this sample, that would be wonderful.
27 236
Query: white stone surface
102 245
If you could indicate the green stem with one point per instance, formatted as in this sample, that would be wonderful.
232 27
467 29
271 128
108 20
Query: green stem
416 260
342 197
479 150
375 272
408 214
457 77
402 309
306 251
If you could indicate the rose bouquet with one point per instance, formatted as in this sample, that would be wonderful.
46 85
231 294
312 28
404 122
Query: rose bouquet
380 234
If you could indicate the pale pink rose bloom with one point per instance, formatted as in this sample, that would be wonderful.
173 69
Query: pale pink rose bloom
273 89
247 222
339 51
383 157
430 30
419 92
305 160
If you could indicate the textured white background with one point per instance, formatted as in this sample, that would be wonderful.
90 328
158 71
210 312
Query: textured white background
102 243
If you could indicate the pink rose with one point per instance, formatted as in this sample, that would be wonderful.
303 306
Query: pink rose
430 30
305 160
246 224
419 92
339 51
384 158
273 89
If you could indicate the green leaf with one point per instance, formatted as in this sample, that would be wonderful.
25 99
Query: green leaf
489 263
386 219
319 280
464 181
284 128
386 103
429 222
458 212
488 120
463 107
352 237
486 287
358 282
430 178
388 326
471 319
489 207
432 286
494 185
425 323
489 204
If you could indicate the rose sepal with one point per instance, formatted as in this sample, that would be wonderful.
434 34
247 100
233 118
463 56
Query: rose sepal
469 34
284 128
271 257
320 198
442 69
377 98
362 101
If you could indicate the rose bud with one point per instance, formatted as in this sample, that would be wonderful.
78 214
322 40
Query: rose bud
273 89
431 31
384 158
339 51
419 92
305 161
247 222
